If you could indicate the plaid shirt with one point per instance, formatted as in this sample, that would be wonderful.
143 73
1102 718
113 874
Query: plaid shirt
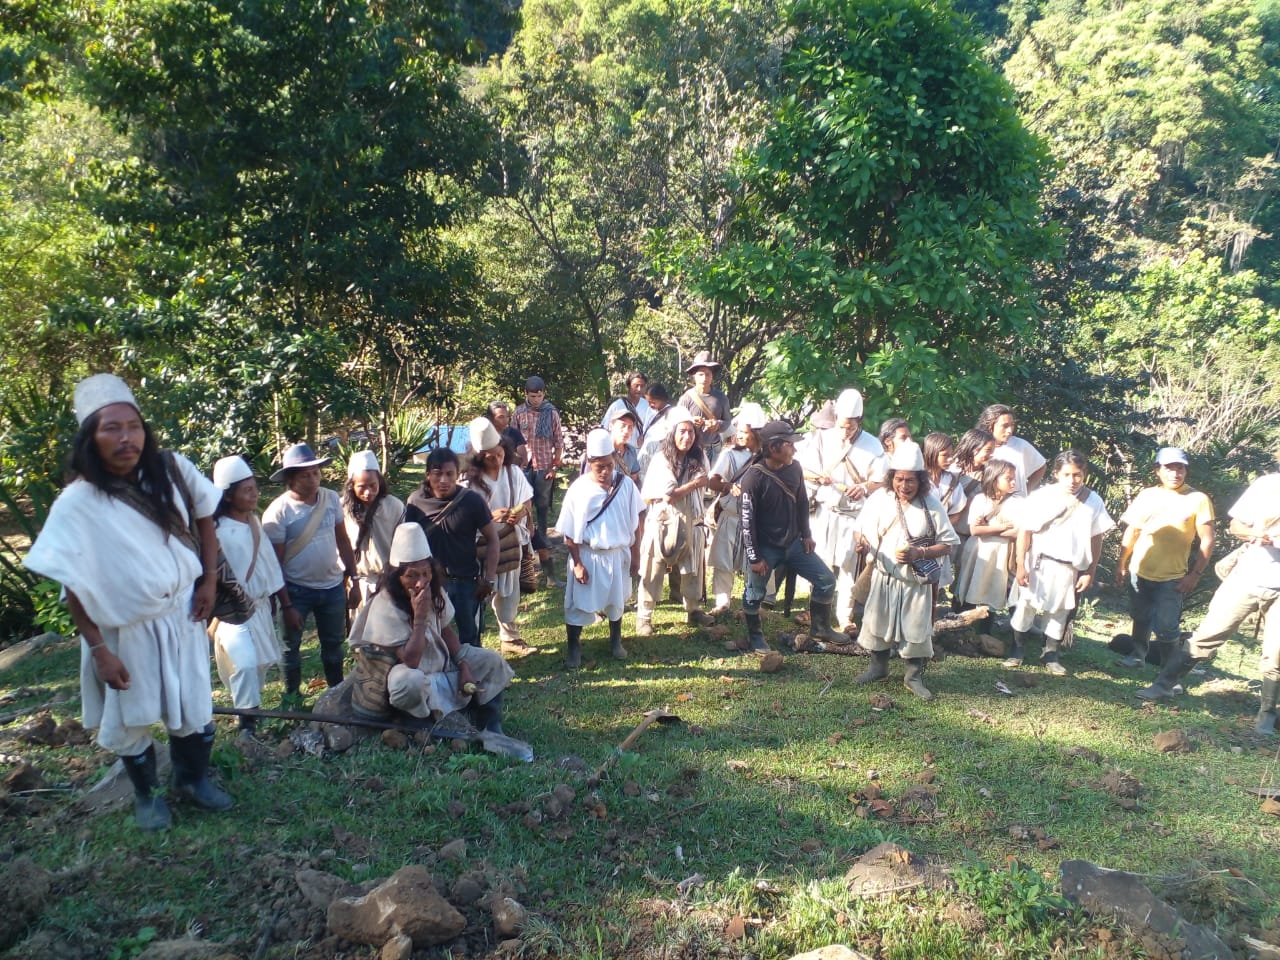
544 453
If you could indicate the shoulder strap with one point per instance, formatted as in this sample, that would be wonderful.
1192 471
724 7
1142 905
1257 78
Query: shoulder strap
765 471
256 527
318 512
433 523
613 492
846 459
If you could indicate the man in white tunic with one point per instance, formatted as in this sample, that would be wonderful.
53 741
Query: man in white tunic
370 513
600 520
140 586
843 464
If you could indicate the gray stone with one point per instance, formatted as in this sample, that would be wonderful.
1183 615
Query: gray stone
320 888
407 904
886 868
509 918
1123 896
399 947
834 952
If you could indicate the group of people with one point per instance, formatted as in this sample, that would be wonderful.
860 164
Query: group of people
879 526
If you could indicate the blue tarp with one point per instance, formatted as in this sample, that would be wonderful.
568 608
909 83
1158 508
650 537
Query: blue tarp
456 438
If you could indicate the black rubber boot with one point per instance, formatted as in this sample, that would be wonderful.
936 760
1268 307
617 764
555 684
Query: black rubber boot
1266 722
1175 668
615 640
1017 651
1049 658
150 812
755 634
489 715
573 652
877 669
189 778
914 678
548 568
820 623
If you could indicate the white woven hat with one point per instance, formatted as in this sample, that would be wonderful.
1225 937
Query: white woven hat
750 415
484 435
599 443
98 391
906 455
679 414
229 471
409 545
848 405
362 461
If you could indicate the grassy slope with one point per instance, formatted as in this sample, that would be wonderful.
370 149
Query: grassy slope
601 878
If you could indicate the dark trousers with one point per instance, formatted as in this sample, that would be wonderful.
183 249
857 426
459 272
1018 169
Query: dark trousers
329 605
1155 606
468 612
543 495
807 565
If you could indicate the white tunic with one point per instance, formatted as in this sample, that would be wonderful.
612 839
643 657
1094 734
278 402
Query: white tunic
236 540
372 558
605 548
1062 530
136 584
658 483
510 489
1025 458
949 492
827 453
986 563
899 609
727 552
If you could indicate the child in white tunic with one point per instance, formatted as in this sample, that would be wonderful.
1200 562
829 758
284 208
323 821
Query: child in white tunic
899 609
140 587
726 556
946 488
985 567
1059 545
600 521
245 651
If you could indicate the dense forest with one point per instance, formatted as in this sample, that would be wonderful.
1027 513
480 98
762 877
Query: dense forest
299 218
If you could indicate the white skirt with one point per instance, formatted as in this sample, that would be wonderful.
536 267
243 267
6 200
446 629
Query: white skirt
607 590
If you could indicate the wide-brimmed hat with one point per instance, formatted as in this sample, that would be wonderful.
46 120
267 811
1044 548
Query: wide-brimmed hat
906 455
702 359
229 471
483 434
98 391
298 457
848 405
362 461
599 444
409 545
778 430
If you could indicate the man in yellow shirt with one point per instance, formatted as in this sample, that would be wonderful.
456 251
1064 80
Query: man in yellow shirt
1156 559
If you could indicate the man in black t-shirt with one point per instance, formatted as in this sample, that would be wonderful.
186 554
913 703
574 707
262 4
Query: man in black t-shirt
775 528
452 517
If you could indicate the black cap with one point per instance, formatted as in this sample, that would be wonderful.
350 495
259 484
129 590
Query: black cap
778 430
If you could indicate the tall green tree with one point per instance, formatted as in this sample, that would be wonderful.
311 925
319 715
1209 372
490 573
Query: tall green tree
296 167
889 217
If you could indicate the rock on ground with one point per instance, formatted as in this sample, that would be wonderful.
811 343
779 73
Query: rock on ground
833 952
1125 897
888 867
26 889
408 904
186 949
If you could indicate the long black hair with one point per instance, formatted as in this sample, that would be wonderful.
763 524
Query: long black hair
694 462
224 505
390 582
359 511
922 484
151 474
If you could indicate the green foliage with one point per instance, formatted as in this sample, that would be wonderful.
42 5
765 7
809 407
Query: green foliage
1017 897
890 215
126 948
50 613
25 600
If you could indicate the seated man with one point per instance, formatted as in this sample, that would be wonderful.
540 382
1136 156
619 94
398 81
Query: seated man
408 657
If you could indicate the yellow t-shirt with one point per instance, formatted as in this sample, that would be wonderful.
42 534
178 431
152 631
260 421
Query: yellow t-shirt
1167 520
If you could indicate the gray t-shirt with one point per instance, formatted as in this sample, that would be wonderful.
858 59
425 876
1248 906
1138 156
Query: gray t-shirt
317 565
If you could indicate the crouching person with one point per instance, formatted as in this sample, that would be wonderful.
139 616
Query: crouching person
405 635
131 538
600 521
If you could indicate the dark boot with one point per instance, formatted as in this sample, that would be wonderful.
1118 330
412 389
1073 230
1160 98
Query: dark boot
820 623
1175 668
877 669
292 680
150 812
755 634
913 680
489 715
1266 722
615 640
573 652
696 618
1050 658
1017 651
248 727
189 778
548 568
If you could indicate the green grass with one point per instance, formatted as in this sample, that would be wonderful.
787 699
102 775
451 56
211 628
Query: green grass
771 834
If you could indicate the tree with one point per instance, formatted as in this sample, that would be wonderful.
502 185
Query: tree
297 165
889 216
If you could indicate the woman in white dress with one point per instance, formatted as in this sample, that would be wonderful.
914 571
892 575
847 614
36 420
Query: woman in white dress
892 528
245 651
494 475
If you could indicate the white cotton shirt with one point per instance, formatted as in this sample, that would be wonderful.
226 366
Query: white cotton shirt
615 528
1025 458
317 565
1259 507
236 540
1071 539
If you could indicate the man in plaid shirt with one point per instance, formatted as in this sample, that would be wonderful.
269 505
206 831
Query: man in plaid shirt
539 421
